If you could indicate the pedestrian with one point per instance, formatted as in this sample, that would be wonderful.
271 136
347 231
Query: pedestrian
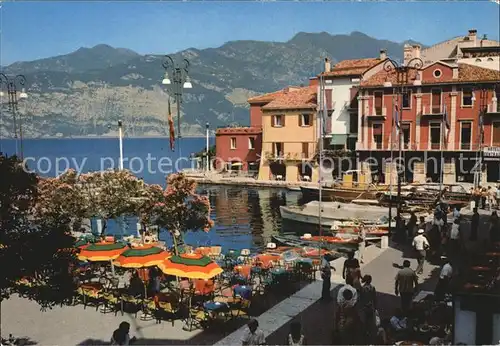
121 335
399 324
484 197
455 243
492 196
412 224
494 228
406 283
421 245
474 226
442 287
296 338
422 224
498 196
253 335
326 274
362 243
351 265
347 321
456 213
368 300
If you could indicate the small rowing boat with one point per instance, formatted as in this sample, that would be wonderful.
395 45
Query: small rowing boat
337 243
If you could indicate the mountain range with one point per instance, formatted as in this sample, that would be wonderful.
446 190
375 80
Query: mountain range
86 92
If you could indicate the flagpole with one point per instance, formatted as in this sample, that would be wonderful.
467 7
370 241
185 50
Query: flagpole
391 168
320 176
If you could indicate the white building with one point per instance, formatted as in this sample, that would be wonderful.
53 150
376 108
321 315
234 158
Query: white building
341 83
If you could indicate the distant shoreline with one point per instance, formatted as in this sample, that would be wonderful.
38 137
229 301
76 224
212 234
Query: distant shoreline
106 137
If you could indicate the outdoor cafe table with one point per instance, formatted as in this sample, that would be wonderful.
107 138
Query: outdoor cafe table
243 291
266 259
213 309
216 307
243 270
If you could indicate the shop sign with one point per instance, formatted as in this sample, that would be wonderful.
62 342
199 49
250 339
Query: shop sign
491 152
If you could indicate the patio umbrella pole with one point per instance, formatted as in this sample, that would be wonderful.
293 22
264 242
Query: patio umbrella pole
112 268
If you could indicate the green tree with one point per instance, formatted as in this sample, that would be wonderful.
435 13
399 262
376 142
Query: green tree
40 249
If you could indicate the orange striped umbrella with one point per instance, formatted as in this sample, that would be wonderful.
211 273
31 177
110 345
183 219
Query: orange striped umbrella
102 252
139 257
191 266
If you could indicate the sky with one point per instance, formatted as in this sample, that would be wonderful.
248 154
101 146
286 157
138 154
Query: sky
33 30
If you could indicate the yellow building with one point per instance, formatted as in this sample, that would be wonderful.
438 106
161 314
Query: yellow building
289 135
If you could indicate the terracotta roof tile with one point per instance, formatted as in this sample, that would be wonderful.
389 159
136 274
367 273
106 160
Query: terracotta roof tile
237 130
265 97
466 73
351 67
294 98
379 78
470 73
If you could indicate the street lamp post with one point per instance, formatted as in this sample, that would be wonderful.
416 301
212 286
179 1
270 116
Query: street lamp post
483 109
208 157
120 135
176 79
402 81
12 84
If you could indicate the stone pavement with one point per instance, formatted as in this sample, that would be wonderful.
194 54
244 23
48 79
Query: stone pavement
317 320
280 315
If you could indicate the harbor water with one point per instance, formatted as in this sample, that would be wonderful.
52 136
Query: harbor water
244 217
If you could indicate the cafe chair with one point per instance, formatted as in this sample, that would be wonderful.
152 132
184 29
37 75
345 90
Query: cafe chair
112 302
215 252
130 301
164 310
241 308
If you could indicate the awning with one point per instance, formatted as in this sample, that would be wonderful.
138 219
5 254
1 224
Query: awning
338 139
237 164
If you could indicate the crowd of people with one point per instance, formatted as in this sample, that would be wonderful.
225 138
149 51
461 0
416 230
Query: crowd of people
356 317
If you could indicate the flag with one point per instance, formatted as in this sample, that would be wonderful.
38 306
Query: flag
445 118
171 127
396 116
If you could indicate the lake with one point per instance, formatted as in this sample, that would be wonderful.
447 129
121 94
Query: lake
244 217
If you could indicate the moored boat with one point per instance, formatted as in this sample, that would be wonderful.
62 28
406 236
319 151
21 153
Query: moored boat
341 244
333 211
354 186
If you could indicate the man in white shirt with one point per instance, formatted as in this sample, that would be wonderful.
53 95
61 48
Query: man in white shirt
253 335
421 245
444 279
454 245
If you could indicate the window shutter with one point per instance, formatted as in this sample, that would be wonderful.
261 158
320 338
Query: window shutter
273 120
378 100
283 117
328 95
300 120
305 149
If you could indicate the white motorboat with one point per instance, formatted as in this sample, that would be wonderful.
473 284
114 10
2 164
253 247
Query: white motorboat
334 211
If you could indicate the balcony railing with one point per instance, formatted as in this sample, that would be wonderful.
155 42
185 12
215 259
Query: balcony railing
413 146
432 110
288 156
435 146
494 107
378 112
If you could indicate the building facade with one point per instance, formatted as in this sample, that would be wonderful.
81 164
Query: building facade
238 148
447 112
289 135
340 90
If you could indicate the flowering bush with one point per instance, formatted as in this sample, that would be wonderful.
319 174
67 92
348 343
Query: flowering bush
181 209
